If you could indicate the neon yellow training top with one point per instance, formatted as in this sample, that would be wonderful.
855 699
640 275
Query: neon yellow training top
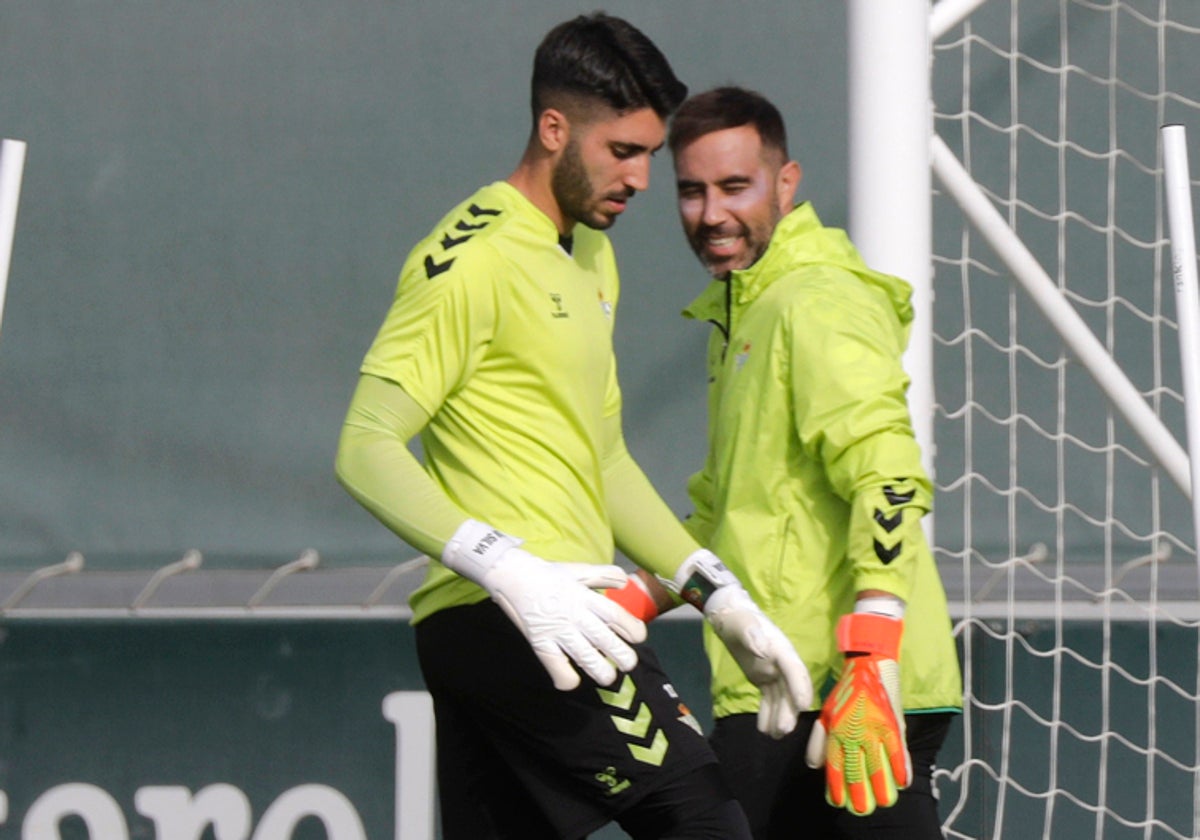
505 340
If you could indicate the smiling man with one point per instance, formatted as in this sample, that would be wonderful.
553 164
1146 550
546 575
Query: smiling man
812 491
552 717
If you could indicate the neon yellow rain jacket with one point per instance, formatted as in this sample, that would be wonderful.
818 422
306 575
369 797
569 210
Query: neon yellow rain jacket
813 488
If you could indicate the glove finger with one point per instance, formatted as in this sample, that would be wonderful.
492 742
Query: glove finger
776 715
835 786
599 637
595 576
585 654
895 758
626 625
814 755
861 799
798 681
564 676
860 795
767 709
901 765
557 666
883 785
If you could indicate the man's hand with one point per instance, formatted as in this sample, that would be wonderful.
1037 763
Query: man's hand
761 650
859 736
553 604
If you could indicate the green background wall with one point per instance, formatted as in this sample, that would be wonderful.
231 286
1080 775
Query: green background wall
217 200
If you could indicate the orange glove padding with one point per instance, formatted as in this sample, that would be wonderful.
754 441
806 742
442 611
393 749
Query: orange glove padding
859 736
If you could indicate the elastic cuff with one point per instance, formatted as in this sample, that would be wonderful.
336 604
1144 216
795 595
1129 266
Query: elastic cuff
888 605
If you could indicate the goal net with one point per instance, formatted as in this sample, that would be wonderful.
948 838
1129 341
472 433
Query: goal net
1063 526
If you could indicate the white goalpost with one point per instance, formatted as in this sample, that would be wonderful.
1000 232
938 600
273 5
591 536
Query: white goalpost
1054 378
1182 222
12 166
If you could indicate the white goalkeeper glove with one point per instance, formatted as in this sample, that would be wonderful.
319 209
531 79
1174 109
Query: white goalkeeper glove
761 650
551 603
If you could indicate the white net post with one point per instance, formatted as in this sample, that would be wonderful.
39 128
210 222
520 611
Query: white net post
1178 188
12 166
888 174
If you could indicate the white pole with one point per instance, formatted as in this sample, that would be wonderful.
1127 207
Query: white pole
1060 315
890 187
1178 187
948 14
12 165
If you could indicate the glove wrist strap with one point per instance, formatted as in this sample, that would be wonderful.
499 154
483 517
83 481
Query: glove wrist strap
700 575
871 634
475 548
635 598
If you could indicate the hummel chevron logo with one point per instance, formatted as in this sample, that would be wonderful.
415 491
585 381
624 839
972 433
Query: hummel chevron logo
622 698
433 269
886 523
652 754
638 727
887 555
449 241
898 496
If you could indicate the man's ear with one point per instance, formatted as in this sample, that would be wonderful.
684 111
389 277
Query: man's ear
554 130
786 183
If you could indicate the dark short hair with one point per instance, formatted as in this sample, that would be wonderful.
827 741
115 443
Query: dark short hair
603 58
728 107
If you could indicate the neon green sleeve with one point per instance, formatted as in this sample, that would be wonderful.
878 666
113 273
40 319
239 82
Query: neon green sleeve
700 523
376 467
644 527
848 386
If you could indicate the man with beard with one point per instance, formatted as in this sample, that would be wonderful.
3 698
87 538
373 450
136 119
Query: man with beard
812 492
498 351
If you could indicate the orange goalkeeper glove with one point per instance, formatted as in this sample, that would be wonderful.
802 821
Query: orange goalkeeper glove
859 736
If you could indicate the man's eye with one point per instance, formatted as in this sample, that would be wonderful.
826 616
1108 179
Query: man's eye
623 152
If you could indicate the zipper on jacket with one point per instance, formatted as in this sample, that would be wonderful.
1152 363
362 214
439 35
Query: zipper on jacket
727 327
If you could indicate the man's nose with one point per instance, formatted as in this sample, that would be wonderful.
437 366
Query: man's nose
637 174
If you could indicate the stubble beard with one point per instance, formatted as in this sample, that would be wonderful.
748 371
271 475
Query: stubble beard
756 240
573 191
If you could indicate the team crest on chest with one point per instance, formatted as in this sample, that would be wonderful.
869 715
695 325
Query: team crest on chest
605 306
740 359
557 303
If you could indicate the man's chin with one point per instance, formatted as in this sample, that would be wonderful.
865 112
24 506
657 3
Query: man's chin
718 267
600 221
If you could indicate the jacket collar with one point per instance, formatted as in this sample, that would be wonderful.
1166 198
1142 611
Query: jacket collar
798 239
